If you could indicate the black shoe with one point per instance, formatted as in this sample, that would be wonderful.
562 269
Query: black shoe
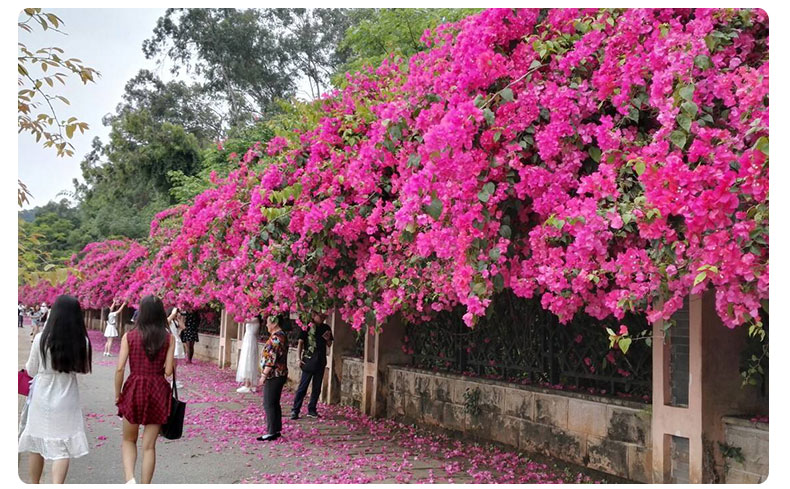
268 437
313 415
294 416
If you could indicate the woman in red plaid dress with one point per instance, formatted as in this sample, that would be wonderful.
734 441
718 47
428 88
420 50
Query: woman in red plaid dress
145 398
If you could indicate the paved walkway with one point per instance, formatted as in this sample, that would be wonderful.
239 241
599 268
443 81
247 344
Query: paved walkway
219 443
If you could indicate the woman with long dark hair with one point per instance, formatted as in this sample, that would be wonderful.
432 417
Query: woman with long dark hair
145 397
274 362
55 429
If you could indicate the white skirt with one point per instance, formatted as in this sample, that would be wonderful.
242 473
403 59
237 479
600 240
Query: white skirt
110 331
53 424
248 368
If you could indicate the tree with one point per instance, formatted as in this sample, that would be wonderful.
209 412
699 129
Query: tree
310 40
375 34
37 98
235 51
175 102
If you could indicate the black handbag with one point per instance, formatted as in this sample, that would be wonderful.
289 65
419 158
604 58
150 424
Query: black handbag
174 427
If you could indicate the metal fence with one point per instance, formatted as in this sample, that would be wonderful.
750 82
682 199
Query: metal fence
521 342
209 321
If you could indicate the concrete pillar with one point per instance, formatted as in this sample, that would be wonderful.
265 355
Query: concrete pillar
343 344
714 390
382 348
228 329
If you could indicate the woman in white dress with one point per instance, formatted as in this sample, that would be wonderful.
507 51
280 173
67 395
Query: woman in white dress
248 370
111 330
176 329
54 428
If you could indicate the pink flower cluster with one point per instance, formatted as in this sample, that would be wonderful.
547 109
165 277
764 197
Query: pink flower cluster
602 160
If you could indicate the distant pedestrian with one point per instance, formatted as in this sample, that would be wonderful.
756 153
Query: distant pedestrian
111 329
175 330
274 363
190 333
40 319
311 351
55 429
248 369
145 397
20 313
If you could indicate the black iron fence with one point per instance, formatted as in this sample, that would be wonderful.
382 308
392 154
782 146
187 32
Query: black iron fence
209 321
519 341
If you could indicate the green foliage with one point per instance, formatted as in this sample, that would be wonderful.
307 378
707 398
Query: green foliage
250 58
378 33
472 402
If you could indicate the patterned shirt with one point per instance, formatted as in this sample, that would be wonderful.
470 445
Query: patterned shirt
275 355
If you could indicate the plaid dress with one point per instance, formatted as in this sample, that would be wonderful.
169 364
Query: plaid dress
145 397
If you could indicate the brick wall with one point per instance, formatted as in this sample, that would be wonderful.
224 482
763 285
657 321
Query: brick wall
752 439
610 435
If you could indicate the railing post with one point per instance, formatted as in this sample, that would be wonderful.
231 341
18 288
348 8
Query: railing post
227 330
382 348
343 344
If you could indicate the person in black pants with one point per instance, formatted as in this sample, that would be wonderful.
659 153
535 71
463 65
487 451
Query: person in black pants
274 361
311 351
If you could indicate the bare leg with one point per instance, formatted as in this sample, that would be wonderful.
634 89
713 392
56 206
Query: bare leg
59 470
35 467
108 345
190 347
129 449
150 433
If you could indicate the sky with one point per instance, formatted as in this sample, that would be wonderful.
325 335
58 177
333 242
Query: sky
108 40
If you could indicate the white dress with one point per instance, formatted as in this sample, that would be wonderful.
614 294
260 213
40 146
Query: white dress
111 331
248 368
179 351
54 427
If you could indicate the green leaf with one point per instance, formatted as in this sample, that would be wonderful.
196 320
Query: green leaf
479 101
505 231
687 92
624 344
434 209
678 138
499 282
70 130
700 277
690 108
414 160
703 62
762 145
595 153
479 288
507 94
483 196
684 121
639 167
489 116
494 253
535 64
395 133
489 188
